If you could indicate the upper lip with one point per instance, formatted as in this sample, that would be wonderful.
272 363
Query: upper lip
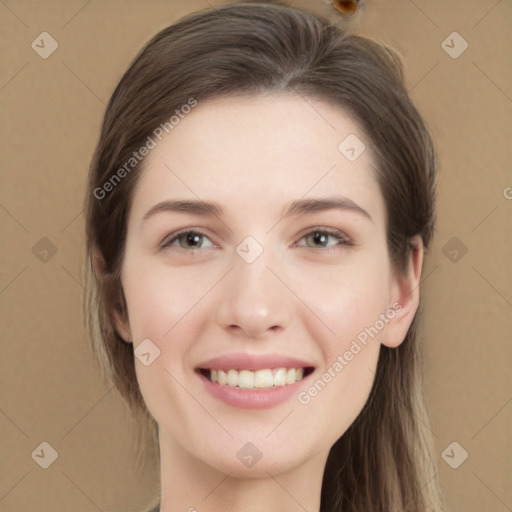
253 362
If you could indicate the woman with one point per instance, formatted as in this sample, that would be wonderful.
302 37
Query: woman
258 207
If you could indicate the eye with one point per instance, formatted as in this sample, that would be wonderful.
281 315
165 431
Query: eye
192 240
325 238
187 240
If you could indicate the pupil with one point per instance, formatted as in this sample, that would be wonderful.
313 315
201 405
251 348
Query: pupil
192 238
319 238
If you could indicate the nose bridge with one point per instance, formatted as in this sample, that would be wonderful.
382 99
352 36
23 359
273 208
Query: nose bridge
253 300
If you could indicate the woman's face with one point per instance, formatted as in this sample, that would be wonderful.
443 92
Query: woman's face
257 244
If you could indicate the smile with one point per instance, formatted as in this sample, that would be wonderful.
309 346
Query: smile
254 381
259 379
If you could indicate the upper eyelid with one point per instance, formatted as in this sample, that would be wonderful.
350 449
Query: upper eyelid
327 230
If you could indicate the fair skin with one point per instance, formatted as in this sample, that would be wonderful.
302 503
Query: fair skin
306 296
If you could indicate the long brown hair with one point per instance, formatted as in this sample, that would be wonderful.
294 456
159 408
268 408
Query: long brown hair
384 460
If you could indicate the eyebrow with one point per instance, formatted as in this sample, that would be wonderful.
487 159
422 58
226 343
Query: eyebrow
301 206
328 203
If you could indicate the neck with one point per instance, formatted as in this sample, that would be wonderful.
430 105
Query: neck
189 484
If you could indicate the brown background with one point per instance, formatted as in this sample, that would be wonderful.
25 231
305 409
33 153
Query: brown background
52 109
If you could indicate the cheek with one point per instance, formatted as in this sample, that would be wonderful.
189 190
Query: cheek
348 302
161 299
165 306
351 308
346 298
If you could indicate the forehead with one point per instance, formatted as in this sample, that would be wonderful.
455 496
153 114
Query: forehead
256 153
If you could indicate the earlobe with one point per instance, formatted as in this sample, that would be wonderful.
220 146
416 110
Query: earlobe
120 319
113 295
405 296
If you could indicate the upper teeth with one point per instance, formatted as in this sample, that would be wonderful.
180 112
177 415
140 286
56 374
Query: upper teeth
259 379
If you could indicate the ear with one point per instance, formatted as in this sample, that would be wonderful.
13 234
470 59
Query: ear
113 295
404 296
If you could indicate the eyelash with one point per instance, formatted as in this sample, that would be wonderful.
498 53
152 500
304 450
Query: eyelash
343 239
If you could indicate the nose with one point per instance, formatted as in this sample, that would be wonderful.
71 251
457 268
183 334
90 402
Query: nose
253 302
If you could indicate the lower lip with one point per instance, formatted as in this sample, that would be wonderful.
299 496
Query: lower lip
252 398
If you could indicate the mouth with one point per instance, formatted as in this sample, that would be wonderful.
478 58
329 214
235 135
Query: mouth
266 378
